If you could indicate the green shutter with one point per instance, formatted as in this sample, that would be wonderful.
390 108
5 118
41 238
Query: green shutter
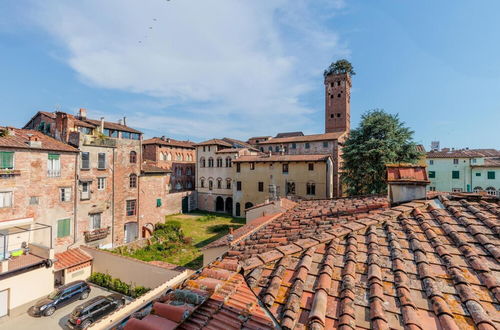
432 174
491 175
455 174
478 174
6 159
54 156
63 228
158 202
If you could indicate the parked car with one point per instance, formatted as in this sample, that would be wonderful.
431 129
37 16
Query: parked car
60 297
94 309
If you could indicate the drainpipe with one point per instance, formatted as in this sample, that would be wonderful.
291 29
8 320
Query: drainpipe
113 202
75 205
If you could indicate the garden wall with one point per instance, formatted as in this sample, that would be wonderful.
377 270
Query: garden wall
131 271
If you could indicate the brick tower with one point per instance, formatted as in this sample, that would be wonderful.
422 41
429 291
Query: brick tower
337 102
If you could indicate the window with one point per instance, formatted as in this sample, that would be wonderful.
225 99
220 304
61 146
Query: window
6 160
491 191
228 184
63 228
238 185
203 148
325 144
270 148
277 149
261 186
261 149
131 207
101 161
311 188
95 220
5 199
431 161
456 190
133 157
65 194
133 181
294 145
455 174
210 185
432 174
474 160
210 162
219 183
189 171
478 189
307 145
290 188
432 188
219 162
285 168
202 162
228 162
85 194
125 135
101 183
158 202
34 200
311 166
202 183
339 115
455 161
53 166
491 175
252 166
478 174
85 161
238 167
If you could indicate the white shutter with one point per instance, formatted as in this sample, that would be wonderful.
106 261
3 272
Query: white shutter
67 194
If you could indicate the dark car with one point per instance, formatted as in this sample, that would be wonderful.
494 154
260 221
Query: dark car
60 297
94 309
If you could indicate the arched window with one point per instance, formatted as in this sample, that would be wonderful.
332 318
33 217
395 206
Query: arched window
219 182
277 149
210 185
188 171
228 162
478 189
202 162
178 186
491 191
248 205
270 148
133 157
189 185
219 162
210 162
133 181
228 183
202 183
169 156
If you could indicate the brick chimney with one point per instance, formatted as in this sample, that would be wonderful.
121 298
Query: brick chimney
82 113
33 141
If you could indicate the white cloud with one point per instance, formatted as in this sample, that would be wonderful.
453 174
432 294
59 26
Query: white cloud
224 67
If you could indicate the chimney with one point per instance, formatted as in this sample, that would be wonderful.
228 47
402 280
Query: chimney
82 113
163 138
406 182
168 140
33 141
120 122
102 124
124 121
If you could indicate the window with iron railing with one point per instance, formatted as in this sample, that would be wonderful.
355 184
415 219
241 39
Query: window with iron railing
54 165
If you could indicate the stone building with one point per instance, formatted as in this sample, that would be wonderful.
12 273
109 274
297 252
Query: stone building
262 177
108 171
179 157
214 175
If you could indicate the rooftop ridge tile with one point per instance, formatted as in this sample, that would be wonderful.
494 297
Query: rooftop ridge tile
271 292
348 285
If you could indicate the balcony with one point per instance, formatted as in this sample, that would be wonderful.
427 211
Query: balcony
99 141
53 173
9 173
24 246
97 234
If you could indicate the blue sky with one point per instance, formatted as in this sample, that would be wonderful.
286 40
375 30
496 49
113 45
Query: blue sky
203 69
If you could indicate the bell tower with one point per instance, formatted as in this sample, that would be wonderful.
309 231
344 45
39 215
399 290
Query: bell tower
337 102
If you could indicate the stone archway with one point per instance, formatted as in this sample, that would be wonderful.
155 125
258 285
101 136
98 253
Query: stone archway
248 205
219 204
229 205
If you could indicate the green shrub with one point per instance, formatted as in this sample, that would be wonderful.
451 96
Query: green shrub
139 291
115 284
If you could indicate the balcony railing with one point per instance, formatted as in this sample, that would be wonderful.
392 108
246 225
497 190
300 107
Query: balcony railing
100 141
22 240
97 234
7 173
53 173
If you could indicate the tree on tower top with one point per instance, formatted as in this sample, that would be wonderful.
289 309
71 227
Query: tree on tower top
341 66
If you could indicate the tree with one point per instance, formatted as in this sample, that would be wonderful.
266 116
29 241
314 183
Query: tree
380 139
341 66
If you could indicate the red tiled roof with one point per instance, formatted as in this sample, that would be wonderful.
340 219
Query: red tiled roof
281 158
454 154
151 168
420 265
70 258
111 125
305 138
170 142
214 141
229 150
489 162
406 173
19 138
289 134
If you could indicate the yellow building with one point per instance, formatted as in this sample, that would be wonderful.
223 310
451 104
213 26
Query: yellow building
261 177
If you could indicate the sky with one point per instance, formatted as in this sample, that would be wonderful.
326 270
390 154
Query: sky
196 70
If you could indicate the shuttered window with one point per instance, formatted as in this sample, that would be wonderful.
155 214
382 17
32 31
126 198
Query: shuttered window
101 161
63 228
432 174
6 160
491 175
85 160
53 165
455 174
6 199
158 202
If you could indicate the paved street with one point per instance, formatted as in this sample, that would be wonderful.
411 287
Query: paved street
56 321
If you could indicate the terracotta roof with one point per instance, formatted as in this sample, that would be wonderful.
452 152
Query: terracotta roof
238 143
305 138
454 154
19 138
281 158
111 125
403 173
489 162
229 150
286 204
289 134
151 168
215 298
420 265
259 137
420 148
214 141
169 142
167 265
70 258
